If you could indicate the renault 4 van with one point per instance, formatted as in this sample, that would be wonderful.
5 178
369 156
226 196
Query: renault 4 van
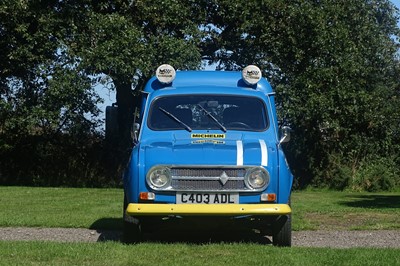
208 148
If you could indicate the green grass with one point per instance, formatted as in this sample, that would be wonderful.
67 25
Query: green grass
61 207
333 210
102 209
112 253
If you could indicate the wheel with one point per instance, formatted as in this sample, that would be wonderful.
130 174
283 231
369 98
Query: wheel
282 234
132 232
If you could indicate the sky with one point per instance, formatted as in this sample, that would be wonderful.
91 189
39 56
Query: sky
396 2
109 96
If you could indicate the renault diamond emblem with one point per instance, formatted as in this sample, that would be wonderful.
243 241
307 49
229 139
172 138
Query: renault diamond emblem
223 178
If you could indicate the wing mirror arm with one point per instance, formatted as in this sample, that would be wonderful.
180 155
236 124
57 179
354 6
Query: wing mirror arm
285 135
135 131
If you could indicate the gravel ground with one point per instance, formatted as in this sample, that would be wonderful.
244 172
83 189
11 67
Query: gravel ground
334 239
347 239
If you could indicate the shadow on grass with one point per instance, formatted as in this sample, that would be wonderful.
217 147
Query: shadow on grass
205 236
110 229
111 224
373 201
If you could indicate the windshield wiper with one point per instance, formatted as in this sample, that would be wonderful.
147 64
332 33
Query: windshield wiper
176 119
213 118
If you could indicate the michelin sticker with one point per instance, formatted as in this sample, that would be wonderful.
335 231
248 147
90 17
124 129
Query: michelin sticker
208 136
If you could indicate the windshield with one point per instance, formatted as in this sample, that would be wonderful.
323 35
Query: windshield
208 112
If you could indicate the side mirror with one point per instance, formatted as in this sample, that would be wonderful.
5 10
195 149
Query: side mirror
135 131
285 134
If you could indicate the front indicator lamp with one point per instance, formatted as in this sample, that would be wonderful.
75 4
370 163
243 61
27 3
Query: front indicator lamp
270 197
147 196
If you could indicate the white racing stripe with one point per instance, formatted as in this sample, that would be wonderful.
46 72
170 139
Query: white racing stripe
264 153
239 155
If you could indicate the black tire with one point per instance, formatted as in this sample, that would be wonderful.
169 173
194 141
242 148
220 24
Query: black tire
282 235
132 232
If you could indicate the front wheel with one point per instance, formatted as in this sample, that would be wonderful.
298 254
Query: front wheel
132 232
282 234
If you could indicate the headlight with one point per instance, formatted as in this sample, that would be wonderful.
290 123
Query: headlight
257 178
159 177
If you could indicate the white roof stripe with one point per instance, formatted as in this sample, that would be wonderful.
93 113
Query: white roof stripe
239 155
264 153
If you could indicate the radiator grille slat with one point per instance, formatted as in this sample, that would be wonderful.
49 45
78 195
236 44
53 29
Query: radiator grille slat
213 172
208 179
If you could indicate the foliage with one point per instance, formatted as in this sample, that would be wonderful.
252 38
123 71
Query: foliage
335 67
126 40
48 112
372 173
377 174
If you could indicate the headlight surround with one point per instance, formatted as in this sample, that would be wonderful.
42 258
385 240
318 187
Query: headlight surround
257 178
159 177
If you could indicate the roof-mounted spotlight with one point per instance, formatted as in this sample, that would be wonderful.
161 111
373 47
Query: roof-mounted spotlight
165 74
251 75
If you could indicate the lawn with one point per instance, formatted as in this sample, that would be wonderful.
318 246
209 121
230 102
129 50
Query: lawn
333 210
61 207
102 209
113 253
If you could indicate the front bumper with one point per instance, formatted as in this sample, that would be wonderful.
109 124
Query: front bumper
146 209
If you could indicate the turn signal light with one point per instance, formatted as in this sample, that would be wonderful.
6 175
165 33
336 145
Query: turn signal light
268 197
147 196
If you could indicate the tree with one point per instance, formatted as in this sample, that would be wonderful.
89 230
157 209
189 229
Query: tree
127 40
335 66
53 46
46 105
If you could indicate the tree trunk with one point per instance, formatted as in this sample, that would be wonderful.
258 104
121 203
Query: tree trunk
125 111
126 102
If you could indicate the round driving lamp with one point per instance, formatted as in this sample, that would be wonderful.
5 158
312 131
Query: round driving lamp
159 177
257 178
251 75
165 73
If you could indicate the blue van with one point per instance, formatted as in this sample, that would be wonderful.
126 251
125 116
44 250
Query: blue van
208 145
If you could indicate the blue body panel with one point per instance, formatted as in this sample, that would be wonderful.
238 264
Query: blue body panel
179 147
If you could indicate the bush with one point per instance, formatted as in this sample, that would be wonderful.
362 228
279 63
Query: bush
61 161
376 174
335 174
373 173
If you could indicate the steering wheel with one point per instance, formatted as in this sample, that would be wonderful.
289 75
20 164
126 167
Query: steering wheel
238 124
